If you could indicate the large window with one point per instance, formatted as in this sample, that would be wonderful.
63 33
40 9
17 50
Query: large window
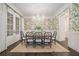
9 24
17 25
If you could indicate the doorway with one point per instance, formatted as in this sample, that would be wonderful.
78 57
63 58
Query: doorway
63 25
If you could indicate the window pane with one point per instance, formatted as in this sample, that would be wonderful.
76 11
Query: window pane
9 24
17 25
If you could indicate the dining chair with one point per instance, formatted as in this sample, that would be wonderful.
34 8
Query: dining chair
30 39
54 37
23 38
48 39
38 38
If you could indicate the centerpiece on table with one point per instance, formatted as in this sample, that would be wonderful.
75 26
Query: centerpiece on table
38 28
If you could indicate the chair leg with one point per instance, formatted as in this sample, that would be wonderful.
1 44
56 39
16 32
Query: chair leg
24 41
26 44
42 45
50 44
34 44
55 42
21 41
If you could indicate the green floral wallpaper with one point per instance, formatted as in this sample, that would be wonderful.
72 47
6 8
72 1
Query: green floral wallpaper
27 24
53 24
74 17
47 24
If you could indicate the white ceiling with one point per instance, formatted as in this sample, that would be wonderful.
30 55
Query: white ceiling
32 9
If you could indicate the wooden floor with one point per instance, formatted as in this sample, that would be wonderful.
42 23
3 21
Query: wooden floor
18 49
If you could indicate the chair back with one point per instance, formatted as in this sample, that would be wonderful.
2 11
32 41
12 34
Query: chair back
29 35
38 35
48 35
54 34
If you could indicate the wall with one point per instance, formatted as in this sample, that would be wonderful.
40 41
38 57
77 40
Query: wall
46 23
73 40
14 8
0 25
3 27
5 40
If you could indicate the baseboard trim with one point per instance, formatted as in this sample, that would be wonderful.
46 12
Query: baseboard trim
72 50
5 52
13 45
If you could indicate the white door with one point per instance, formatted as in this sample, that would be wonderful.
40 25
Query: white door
63 25
16 27
10 36
15 36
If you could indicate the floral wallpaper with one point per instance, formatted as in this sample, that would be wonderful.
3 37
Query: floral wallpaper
53 23
27 24
74 17
46 24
